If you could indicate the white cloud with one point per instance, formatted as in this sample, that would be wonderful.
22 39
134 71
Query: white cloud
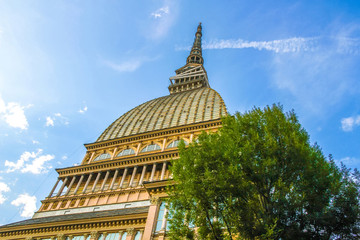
35 142
161 20
30 162
83 110
3 188
13 114
49 121
64 157
160 12
57 117
347 124
28 204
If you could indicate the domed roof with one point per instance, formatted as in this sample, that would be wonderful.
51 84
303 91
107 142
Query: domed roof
188 107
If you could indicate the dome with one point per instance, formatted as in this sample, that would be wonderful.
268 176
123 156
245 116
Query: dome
195 106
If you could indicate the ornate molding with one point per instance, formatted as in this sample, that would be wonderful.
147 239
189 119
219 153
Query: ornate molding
60 236
154 200
94 234
130 231
116 224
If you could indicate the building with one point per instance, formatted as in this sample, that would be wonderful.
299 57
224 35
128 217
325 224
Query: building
117 191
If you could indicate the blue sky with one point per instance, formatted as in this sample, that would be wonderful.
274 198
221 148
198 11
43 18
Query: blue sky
70 68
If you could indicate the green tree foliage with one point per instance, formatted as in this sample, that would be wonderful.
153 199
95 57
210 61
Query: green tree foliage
260 178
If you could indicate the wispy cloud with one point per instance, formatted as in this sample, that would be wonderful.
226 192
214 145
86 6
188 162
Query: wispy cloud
342 45
57 117
348 124
83 110
3 188
27 203
30 162
295 44
159 13
13 114
128 65
349 161
162 19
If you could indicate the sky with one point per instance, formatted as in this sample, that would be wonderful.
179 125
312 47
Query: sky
68 69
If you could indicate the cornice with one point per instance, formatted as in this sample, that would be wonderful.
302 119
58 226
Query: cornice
83 224
154 134
118 163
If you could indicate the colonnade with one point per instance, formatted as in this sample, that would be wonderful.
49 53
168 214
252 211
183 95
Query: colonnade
128 177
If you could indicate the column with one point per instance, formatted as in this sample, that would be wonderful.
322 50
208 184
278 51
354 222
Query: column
105 179
141 233
163 224
113 154
79 183
133 176
120 234
163 171
96 181
153 173
123 177
71 183
114 179
53 189
142 174
62 187
92 155
163 146
87 182
151 217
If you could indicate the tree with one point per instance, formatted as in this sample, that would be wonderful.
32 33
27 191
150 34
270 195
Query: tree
259 177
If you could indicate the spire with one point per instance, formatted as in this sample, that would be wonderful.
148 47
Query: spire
195 55
193 74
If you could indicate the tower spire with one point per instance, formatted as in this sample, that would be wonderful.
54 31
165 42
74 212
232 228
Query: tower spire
193 74
195 55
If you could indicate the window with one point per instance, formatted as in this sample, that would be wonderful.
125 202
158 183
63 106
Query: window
124 236
126 152
102 157
112 236
78 238
151 147
175 143
160 217
137 236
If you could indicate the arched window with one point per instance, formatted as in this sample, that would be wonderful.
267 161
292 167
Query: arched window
175 143
126 152
102 157
151 147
